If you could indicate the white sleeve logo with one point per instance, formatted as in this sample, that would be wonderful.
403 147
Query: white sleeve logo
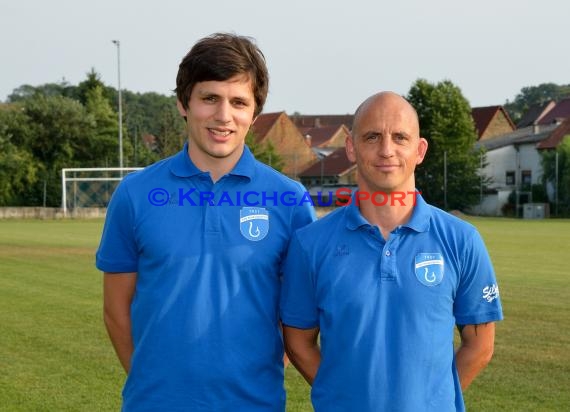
490 293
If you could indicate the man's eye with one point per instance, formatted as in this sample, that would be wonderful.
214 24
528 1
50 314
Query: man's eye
210 99
241 103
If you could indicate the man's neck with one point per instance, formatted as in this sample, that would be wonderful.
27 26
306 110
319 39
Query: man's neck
389 212
217 167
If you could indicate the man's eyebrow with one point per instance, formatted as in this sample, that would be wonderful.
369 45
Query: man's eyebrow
206 92
244 98
371 133
402 133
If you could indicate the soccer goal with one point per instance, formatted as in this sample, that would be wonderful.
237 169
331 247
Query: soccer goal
90 186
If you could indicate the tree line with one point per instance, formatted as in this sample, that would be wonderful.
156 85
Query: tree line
57 125
48 127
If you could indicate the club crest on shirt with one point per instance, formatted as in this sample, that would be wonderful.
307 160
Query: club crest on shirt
254 223
429 268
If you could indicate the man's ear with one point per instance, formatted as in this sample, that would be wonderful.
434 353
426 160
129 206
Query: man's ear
349 147
181 109
422 150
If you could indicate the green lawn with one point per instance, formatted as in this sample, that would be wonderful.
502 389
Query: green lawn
55 355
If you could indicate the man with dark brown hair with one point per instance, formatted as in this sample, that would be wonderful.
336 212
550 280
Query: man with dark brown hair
192 282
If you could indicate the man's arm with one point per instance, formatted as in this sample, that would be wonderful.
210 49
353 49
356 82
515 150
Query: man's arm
303 350
475 351
118 292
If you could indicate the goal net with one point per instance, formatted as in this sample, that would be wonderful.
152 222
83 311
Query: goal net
90 187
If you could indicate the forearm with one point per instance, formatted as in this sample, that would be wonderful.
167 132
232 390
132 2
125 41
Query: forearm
119 330
474 353
118 292
307 364
305 356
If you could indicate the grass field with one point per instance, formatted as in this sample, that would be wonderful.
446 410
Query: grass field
55 355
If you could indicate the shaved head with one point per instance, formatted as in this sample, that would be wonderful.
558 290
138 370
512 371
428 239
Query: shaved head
385 143
384 102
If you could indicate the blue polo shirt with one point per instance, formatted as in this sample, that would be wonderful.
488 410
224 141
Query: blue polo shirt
387 309
208 258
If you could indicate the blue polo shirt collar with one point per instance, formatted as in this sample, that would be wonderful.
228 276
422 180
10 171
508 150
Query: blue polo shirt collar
419 222
421 216
354 218
182 165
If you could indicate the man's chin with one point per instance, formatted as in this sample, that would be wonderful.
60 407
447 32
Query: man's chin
225 153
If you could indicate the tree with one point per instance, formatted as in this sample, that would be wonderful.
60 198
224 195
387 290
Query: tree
27 91
446 122
102 148
548 160
264 152
533 95
155 114
17 167
60 128
92 82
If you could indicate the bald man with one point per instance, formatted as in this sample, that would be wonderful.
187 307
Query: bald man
385 280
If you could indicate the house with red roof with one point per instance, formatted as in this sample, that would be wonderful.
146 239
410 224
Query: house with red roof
303 121
326 136
491 121
535 113
514 163
332 170
287 140
557 114
555 138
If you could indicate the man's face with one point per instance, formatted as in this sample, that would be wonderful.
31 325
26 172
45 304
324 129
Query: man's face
218 117
385 144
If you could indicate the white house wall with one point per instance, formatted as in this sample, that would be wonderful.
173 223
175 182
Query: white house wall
506 158
499 162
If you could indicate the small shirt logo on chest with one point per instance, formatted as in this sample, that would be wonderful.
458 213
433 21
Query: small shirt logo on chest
341 250
429 268
254 223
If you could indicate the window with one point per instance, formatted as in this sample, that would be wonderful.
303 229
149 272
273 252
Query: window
510 178
526 177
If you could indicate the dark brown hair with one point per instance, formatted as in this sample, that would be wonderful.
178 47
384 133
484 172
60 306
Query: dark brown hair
220 57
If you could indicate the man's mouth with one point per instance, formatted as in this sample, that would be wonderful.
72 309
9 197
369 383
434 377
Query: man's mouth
386 167
220 133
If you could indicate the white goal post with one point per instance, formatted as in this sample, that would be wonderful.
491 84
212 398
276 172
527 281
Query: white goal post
90 186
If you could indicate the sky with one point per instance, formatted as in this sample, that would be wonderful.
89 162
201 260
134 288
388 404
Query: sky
324 56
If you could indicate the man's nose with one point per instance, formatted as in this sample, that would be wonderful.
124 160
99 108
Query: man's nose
223 112
385 147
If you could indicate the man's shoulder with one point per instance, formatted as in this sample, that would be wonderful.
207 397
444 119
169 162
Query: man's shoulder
266 175
148 173
451 222
325 227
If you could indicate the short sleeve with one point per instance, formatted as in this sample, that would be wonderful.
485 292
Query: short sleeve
117 250
477 299
298 306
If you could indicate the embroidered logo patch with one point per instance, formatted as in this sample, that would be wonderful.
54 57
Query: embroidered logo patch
254 223
490 293
429 268
342 250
